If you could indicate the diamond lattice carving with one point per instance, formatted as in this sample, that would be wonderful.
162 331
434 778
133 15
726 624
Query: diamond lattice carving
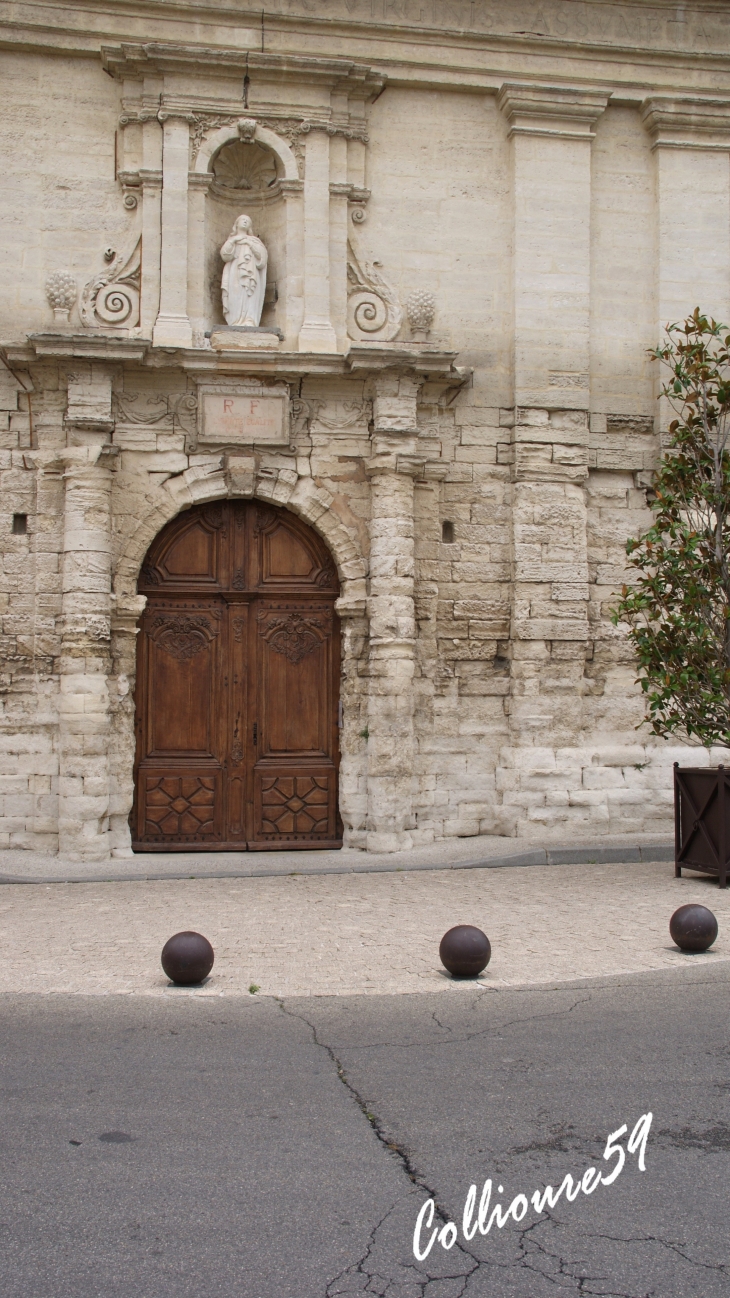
180 806
295 804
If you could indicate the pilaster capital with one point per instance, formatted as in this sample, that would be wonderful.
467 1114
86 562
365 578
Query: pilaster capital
200 180
687 122
125 613
175 113
565 111
77 460
150 179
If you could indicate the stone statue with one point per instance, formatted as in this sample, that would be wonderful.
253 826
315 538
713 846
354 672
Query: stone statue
244 275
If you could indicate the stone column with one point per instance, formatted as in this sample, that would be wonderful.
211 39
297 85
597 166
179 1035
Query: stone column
551 130
317 334
84 658
172 328
691 140
392 616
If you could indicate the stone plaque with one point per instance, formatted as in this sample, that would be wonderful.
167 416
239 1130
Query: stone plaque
235 418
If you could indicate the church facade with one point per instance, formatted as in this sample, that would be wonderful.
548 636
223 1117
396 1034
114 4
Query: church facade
313 521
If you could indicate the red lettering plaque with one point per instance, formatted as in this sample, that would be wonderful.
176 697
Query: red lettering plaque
236 418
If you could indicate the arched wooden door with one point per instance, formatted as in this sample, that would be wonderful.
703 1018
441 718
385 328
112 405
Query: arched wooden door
238 665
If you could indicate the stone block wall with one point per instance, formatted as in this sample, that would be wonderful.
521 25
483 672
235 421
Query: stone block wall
475 478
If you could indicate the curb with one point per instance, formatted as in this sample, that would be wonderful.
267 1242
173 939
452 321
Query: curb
577 855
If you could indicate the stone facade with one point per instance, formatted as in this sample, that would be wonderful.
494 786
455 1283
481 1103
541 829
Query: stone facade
478 217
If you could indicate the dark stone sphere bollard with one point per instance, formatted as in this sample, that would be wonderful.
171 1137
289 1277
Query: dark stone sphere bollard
465 951
187 958
693 927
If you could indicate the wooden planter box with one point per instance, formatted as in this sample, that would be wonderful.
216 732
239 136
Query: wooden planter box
702 820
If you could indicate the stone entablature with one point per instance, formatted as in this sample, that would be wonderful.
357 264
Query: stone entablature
477 218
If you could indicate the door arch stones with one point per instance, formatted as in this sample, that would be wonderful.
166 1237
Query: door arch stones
238 669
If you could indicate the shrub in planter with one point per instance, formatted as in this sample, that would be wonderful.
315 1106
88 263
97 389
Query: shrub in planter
678 607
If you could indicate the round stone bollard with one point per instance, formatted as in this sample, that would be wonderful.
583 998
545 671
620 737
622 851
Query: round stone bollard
693 927
465 951
187 958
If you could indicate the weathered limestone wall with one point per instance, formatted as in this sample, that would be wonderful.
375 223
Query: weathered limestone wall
475 476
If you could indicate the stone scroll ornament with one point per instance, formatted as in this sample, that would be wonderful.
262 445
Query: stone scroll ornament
293 636
111 300
182 635
373 310
243 284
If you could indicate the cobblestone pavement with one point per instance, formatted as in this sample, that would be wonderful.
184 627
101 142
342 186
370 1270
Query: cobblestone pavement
349 934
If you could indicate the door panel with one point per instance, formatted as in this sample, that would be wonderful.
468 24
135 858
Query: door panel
294 679
182 809
237 684
183 673
293 808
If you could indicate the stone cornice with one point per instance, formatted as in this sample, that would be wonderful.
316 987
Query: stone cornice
91 344
138 60
684 122
534 109
363 359
622 34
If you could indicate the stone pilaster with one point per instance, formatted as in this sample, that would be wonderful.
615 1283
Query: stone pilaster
199 184
690 142
150 180
340 191
173 328
317 333
125 614
551 130
84 656
392 616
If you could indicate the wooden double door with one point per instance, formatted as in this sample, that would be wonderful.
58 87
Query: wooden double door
238 665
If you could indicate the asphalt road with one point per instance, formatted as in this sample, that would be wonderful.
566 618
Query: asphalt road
198 1146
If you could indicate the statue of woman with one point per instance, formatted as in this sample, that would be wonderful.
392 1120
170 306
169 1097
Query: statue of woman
244 275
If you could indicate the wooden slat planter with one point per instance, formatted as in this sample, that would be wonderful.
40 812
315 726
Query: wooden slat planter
702 821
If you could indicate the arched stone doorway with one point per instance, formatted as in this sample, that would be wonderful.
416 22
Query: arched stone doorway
238 668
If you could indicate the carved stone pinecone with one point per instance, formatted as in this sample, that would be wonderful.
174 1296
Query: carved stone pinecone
421 309
61 290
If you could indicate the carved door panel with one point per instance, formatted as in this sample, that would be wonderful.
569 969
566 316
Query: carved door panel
180 786
237 685
294 774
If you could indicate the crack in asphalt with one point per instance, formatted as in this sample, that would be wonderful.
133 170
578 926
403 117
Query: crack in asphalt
535 1257
406 1165
452 1040
672 1245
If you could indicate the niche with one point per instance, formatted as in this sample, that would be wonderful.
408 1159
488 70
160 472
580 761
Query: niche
247 178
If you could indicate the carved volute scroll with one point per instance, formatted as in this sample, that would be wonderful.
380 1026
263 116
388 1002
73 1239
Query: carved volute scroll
182 635
111 299
294 635
373 310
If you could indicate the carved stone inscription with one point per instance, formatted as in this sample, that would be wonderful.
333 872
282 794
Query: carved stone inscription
231 417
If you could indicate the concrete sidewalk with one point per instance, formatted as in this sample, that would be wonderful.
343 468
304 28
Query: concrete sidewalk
345 934
452 854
